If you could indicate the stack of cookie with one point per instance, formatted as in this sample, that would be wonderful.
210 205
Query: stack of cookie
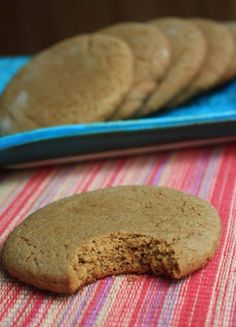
124 71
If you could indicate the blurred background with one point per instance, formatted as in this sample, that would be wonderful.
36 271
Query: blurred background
30 25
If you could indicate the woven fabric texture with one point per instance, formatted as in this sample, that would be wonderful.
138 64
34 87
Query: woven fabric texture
206 298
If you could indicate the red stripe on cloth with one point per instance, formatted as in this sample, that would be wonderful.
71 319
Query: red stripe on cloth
9 304
222 198
21 199
113 176
23 310
120 178
33 311
85 183
160 162
21 196
139 303
93 302
46 308
161 295
219 194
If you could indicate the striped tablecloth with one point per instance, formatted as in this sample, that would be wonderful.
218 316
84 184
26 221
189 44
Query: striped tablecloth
207 298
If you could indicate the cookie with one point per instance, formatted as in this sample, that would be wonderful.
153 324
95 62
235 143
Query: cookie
189 52
231 73
219 58
152 57
128 229
80 80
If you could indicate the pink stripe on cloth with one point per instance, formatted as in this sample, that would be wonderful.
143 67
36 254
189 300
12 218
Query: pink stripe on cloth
206 298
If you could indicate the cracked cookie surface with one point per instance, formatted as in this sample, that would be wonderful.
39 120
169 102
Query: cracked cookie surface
142 229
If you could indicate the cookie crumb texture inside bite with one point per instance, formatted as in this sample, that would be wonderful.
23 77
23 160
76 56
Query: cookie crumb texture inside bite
128 229
122 253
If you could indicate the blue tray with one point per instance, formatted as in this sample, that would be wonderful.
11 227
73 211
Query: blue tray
210 118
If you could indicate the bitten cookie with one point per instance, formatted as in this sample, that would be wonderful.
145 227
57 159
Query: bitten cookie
152 58
142 229
189 52
80 80
220 53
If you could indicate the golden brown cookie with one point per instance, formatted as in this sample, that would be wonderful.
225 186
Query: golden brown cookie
231 73
220 53
79 80
142 229
189 52
152 57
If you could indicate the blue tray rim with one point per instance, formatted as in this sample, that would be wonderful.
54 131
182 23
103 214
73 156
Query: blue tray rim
111 127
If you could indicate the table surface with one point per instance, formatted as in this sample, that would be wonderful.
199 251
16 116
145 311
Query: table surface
206 298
